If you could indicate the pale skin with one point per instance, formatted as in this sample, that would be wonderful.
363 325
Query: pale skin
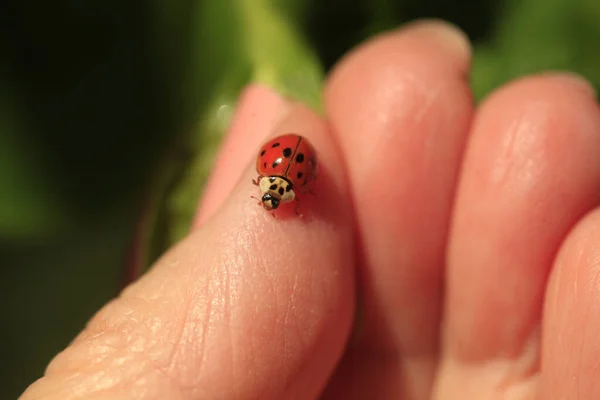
453 250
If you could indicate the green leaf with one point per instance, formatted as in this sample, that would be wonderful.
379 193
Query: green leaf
540 35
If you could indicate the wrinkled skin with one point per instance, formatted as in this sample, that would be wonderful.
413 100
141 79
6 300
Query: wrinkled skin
451 251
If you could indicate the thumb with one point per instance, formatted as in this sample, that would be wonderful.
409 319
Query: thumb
246 306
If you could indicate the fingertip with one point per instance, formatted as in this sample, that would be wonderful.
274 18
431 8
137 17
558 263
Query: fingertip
550 87
424 48
572 80
404 84
543 124
257 112
448 35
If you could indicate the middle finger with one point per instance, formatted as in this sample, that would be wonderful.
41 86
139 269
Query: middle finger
401 108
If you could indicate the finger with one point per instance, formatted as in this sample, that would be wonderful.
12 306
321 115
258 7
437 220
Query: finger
400 107
257 112
531 171
244 307
571 350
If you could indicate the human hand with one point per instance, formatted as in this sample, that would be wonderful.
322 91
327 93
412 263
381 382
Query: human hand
451 251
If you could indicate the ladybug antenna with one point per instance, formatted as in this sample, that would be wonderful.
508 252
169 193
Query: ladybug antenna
256 198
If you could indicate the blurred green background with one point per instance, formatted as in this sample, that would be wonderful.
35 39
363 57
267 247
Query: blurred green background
111 111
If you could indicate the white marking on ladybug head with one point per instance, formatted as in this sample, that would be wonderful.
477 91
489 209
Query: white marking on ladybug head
275 190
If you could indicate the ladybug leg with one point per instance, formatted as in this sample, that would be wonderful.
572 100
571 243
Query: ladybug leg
256 198
311 189
257 180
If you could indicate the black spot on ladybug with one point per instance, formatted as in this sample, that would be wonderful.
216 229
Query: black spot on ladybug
264 165
281 191
299 175
273 187
287 189
275 144
276 162
262 153
300 158
304 183
272 179
287 152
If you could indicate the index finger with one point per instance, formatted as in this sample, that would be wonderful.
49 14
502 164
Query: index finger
245 306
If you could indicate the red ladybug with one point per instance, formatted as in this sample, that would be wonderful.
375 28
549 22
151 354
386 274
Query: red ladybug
286 165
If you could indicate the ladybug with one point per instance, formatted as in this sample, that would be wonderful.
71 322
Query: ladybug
286 165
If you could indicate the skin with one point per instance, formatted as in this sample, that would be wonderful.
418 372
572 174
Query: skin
451 252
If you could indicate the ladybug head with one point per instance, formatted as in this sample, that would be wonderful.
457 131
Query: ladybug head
270 202
275 190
